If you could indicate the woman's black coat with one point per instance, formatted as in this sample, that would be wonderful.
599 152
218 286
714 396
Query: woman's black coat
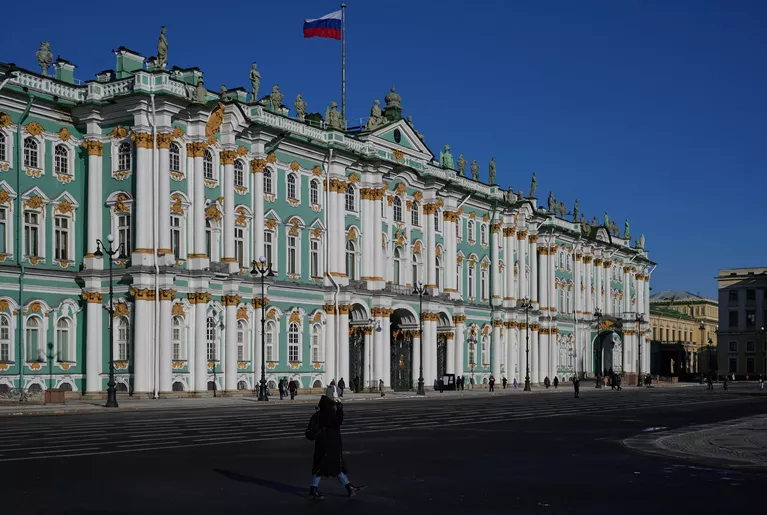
328 453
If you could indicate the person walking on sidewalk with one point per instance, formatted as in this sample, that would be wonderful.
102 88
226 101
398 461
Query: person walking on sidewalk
556 382
710 383
504 381
441 385
515 383
281 387
546 382
491 382
381 387
292 388
328 458
576 386
761 383
618 381
341 387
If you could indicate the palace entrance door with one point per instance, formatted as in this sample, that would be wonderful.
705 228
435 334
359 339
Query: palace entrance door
401 360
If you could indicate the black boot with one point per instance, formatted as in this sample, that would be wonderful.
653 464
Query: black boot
353 489
314 493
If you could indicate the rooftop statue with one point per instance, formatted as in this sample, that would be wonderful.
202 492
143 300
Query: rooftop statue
393 99
44 57
520 194
594 221
446 159
162 50
607 220
333 117
461 165
376 119
474 170
641 241
255 82
200 93
627 230
533 186
509 196
300 106
275 97
552 202
491 173
576 211
561 209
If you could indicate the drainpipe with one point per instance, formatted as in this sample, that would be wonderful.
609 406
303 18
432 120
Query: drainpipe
17 248
327 258
155 208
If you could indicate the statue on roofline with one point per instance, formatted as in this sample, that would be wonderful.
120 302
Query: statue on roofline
44 57
376 119
446 158
275 98
474 170
576 211
255 83
162 50
393 99
627 230
461 165
300 106
333 117
491 173
533 186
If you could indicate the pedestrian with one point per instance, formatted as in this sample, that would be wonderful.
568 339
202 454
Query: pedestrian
328 449
471 383
515 383
710 383
618 381
504 381
381 387
292 388
281 388
333 389
761 383
576 387
491 382
441 385
341 387
463 383
599 382
612 382
436 384
724 383
546 382
556 382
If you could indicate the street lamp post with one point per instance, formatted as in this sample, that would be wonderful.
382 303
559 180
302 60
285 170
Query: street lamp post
420 291
527 305
472 356
263 270
598 354
639 320
111 252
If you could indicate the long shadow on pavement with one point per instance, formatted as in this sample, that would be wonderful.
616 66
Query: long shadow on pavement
266 483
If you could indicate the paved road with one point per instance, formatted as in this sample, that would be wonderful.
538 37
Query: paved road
542 453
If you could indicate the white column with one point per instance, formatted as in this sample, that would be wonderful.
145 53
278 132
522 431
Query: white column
94 341
543 276
227 159
378 250
449 259
598 285
343 343
534 272
368 235
430 350
200 363
340 247
508 256
627 290
386 348
230 354
646 297
257 167
460 341
588 304
450 367
417 360
497 345
430 244
163 197
511 355
368 373
607 279
95 204
198 258
257 355
523 337
330 344
166 352
143 328
522 253
495 274
577 307
143 201
378 345
543 354
534 377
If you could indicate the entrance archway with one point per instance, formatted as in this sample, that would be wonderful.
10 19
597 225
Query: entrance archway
443 327
403 327
359 325
607 347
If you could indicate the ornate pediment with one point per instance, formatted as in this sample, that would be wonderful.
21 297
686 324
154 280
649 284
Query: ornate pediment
401 137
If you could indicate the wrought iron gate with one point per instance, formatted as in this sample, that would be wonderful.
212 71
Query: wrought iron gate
401 361
441 355
356 360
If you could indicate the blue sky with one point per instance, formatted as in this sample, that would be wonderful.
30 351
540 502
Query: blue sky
651 110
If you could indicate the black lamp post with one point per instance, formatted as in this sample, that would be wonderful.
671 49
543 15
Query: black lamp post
527 305
420 291
111 252
263 270
472 357
639 320
598 353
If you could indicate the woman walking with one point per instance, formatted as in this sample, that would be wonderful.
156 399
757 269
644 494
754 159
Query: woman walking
328 452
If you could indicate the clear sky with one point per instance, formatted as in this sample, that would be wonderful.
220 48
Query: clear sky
653 110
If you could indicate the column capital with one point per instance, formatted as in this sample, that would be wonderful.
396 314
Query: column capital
92 297
142 293
142 139
258 303
93 148
497 323
344 309
231 300
227 157
329 309
199 297
257 165
521 235
164 140
459 319
509 231
167 294
196 149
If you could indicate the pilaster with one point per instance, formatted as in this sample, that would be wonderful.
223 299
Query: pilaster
496 357
166 341
142 254
230 355
227 159
143 336
459 320
94 149
200 302
495 272
164 252
510 299
94 340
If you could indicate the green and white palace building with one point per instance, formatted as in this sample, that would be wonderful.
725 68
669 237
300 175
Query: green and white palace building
194 189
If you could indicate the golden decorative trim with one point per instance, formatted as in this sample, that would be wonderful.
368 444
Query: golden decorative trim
178 133
227 157
242 151
5 120
178 310
64 207
91 297
118 132
214 122
199 297
229 260
142 140
142 293
34 128
459 319
196 149
329 309
168 294
164 140
64 134
35 202
258 303
398 155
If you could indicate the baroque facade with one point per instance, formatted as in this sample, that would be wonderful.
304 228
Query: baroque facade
195 185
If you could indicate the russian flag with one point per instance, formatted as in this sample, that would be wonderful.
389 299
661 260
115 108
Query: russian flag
329 26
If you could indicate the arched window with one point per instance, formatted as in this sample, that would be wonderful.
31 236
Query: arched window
3 143
483 234
293 343
314 192
268 181
351 259
61 238
174 154
397 276
61 160
207 165
316 342
397 208
210 339
415 215
241 332
121 339
175 235
62 340
472 354
31 154
5 339
269 341
124 157
470 230
239 245
177 337
239 173
349 196
292 194
314 258
34 350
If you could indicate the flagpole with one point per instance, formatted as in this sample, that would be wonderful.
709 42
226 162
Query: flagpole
343 63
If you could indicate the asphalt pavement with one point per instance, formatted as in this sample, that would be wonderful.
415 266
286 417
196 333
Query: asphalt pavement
545 453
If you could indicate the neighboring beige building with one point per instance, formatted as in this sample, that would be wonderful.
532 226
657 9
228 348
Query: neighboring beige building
689 320
742 321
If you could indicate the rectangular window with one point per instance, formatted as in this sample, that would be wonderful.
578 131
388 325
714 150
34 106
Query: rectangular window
176 342
239 245
750 365
2 148
733 319
483 283
31 233
750 318
269 345
61 238
293 353
750 294
240 345
3 229
123 232
733 365
750 347
733 296
314 260
268 254
175 235
292 258
733 346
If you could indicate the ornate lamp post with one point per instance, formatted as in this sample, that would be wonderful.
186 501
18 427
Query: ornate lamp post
473 355
527 306
263 270
111 252
420 291
639 320
598 354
